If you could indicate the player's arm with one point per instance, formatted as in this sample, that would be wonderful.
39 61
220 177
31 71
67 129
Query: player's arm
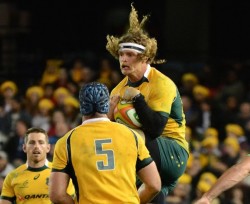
147 173
153 122
151 183
59 182
229 178
7 194
59 177
3 201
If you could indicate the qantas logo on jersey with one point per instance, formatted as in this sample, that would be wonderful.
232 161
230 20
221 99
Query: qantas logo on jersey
34 196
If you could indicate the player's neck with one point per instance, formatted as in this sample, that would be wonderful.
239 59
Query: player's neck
39 164
96 115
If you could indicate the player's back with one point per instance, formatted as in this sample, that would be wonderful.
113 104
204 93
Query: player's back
104 156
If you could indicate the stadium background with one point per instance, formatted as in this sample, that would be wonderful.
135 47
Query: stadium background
189 31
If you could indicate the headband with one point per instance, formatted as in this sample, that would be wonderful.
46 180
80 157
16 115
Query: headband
132 47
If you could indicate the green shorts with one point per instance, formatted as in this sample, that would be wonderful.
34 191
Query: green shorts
173 161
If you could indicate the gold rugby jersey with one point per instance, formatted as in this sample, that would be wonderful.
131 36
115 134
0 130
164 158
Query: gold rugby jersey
101 157
26 185
162 95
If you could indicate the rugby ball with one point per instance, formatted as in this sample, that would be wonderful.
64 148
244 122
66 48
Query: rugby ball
125 113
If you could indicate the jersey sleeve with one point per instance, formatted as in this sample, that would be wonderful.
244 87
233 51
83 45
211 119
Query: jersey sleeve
60 157
144 157
8 190
60 161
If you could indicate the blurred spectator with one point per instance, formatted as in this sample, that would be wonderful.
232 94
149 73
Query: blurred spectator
57 117
232 86
77 70
200 93
205 182
237 132
64 80
17 112
228 111
51 72
181 193
3 140
108 75
8 91
243 118
49 89
5 166
190 110
61 128
33 96
87 75
71 112
14 146
237 196
207 116
188 82
60 94
230 152
42 118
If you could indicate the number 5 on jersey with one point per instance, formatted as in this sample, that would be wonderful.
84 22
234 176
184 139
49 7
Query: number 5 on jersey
109 153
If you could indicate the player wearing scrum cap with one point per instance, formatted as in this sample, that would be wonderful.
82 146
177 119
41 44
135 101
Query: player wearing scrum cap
102 157
155 98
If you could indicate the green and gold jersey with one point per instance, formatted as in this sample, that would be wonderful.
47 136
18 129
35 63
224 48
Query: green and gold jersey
26 185
162 95
102 158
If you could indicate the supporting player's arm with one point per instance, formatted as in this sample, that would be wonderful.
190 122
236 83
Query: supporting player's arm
151 183
229 178
3 201
58 184
113 102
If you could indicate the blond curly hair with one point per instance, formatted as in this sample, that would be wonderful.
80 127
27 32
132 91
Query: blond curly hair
135 34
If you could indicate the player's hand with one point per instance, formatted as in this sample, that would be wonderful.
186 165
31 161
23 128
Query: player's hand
114 100
113 103
130 93
202 200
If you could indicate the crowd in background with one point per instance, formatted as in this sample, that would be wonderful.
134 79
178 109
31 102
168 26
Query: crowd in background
216 102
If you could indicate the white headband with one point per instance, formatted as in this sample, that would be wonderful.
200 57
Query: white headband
132 47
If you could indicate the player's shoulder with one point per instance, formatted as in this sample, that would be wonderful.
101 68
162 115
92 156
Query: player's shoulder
17 170
120 85
49 164
21 168
123 129
158 79
155 75
64 138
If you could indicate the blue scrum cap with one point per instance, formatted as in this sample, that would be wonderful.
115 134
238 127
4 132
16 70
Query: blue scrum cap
94 97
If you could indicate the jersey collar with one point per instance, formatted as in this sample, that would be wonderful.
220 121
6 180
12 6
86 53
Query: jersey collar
94 120
45 166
